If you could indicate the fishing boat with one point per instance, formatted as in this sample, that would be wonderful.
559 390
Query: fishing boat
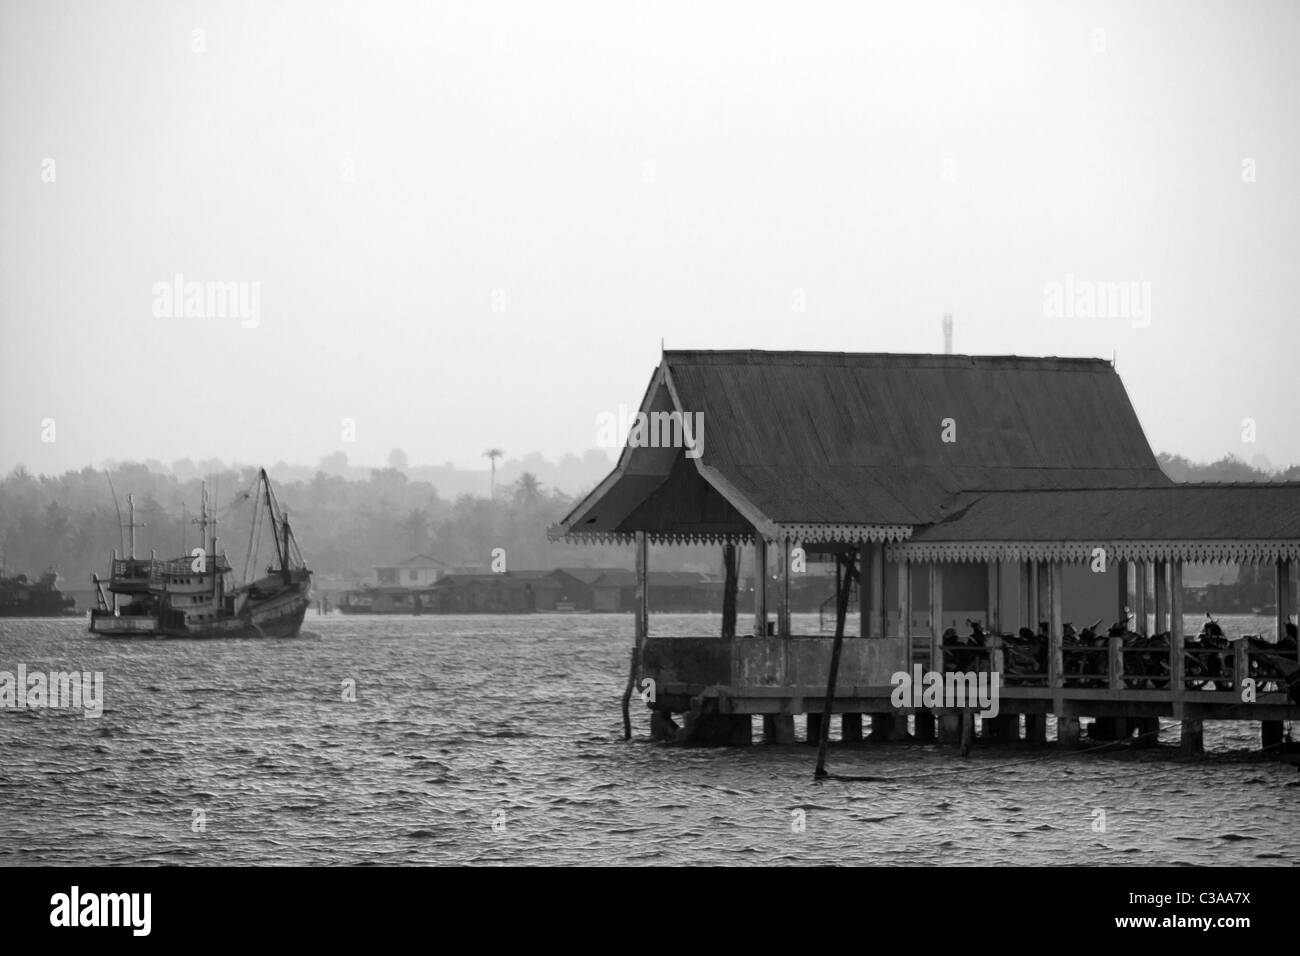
197 596
20 597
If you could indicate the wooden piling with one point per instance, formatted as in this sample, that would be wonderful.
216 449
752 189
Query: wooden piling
814 734
1192 740
1270 736
924 726
641 628
1067 731
778 728
851 728
950 728
1036 728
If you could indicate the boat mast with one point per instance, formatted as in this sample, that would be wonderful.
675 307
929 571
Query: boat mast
281 553
130 504
285 565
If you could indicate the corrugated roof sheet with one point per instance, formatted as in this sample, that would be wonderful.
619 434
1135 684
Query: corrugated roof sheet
857 438
1204 512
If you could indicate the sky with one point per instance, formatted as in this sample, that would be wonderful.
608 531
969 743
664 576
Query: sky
474 225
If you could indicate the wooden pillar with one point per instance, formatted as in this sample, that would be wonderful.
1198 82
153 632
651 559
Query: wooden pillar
783 589
1036 728
1161 624
814 734
905 607
936 616
760 586
1055 662
778 728
1177 659
924 725
1067 731
851 728
1283 596
1026 601
872 604
730 576
950 727
1123 596
1036 604
642 588
1192 741
1140 598
1271 736
993 609
640 629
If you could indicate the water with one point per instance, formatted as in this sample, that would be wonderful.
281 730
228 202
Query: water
463 721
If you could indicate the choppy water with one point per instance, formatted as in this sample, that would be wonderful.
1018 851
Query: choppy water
460 721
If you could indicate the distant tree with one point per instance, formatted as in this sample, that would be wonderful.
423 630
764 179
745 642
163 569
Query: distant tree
492 454
527 489
398 459
416 527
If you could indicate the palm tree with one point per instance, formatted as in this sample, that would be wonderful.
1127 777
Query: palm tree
492 454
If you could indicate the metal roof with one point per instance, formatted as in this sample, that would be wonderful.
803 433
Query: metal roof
1202 512
844 440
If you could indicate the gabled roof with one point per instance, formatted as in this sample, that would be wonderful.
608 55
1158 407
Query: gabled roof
842 446
417 561
588 575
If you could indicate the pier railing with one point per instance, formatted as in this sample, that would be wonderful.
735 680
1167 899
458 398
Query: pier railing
758 674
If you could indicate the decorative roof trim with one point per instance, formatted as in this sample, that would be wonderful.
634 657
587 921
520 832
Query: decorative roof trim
1195 552
654 537
804 532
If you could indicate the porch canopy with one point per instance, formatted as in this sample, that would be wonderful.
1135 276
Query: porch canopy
1211 522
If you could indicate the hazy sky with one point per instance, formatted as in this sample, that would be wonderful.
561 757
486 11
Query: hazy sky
471 224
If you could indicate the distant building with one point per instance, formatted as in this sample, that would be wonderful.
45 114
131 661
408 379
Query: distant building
417 571
510 592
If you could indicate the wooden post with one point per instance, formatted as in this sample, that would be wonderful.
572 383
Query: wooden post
1036 604
783 590
641 628
1055 657
873 612
760 585
1123 600
1161 624
936 616
1177 660
1283 596
905 607
1140 598
730 575
1036 728
993 611
778 728
893 725
818 728
851 728
1026 602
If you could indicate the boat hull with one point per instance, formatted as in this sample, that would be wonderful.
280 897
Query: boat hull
279 616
